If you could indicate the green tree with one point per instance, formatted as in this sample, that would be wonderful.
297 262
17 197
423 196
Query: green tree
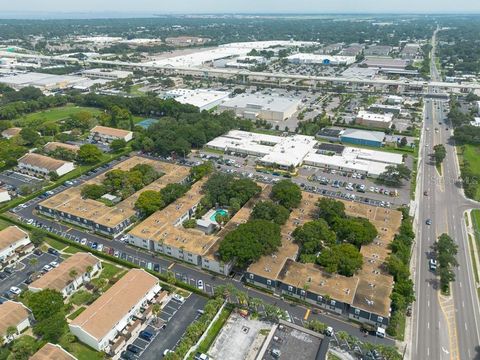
313 236
330 209
149 202
268 210
37 236
118 145
445 250
439 153
89 154
93 191
344 259
29 135
52 328
287 194
394 175
357 231
24 347
249 241
172 192
199 171
44 303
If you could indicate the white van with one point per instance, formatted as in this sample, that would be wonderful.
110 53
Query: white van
380 332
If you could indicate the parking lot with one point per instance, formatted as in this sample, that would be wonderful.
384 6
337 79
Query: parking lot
14 180
169 328
23 270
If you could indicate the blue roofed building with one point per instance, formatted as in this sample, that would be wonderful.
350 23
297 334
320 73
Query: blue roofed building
362 137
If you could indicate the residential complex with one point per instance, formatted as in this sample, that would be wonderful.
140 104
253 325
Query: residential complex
11 132
14 314
69 206
12 240
106 135
43 166
54 145
100 326
51 351
69 275
364 297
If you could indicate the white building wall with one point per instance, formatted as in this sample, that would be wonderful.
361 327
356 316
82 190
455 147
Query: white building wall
65 168
8 251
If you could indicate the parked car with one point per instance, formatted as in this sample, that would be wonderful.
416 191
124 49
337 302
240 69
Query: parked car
127 355
47 268
54 264
53 251
8 270
179 298
134 349
145 335
156 267
15 290
83 241
200 284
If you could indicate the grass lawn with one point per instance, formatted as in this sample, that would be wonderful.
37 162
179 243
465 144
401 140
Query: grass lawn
54 114
72 250
109 272
471 154
83 352
4 224
55 244
81 297
214 330
76 312
476 226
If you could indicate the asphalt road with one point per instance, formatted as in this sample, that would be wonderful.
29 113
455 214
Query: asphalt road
445 206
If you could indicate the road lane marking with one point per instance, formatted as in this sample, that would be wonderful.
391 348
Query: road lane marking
171 265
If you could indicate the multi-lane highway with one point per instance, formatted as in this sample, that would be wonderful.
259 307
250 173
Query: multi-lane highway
443 327
232 73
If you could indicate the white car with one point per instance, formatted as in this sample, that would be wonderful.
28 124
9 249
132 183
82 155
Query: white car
15 290
54 264
47 268
179 298
83 241
200 284
329 331
100 247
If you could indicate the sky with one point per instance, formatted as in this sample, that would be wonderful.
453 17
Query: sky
239 6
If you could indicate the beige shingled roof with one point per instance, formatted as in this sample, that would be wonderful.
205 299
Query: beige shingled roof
11 314
101 317
12 131
10 235
54 145
59 278
42 161
110 131
52 352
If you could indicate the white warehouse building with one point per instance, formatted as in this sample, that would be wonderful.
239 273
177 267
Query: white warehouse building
204 99
304 58
265 107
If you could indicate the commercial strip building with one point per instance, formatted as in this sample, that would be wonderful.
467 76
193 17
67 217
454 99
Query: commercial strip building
186 41
12 240
100 326
204 99
307 58
362 137
107 74
295 150
378 50
386 108
42 166
54 145
42 81
380 121
69 206
106 134
386 63
14 314
51 351
259 106
69 275
364 297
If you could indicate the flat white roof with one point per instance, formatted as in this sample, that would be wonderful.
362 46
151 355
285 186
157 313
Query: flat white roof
374 117
284 151
262 102
39 79
224 51
202 98
318 58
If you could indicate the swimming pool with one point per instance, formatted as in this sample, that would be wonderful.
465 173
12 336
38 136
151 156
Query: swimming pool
219 211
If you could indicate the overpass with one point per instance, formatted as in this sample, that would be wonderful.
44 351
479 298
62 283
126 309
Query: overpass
244 74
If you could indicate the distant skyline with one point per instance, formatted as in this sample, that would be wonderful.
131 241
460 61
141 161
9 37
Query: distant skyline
146 7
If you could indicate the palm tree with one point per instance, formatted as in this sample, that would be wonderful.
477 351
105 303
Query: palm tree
73 274
11 330
156 309
33 261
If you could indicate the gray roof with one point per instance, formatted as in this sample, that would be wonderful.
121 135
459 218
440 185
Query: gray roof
363 134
